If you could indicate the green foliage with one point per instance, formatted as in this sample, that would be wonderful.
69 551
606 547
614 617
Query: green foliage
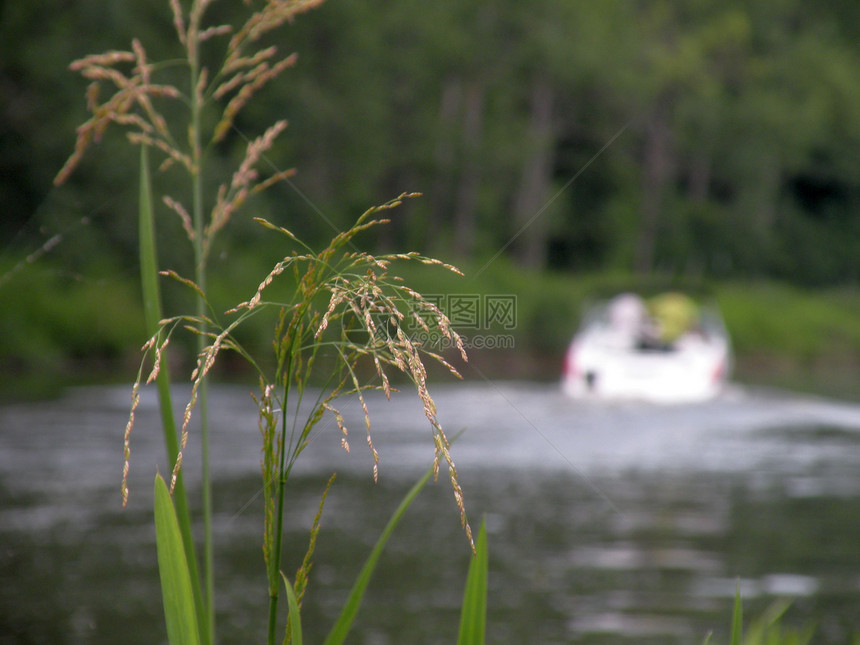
780 320
770 323
755 107
53 318
295 633
766 629
473 616
147 251
303 572
737 619
179 610
369 318
152 316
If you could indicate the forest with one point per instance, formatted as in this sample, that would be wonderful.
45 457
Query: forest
713 141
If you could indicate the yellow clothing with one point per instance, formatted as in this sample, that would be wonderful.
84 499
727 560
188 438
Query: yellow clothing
674 313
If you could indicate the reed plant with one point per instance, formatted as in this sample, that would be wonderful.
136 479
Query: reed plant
766 629
336 308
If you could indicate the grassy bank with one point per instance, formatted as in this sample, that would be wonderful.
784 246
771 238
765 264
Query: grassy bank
59 328
782 335
56 329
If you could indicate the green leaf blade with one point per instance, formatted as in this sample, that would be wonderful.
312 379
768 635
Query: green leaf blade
341 628
737 618
473 616
295 617
179 610
147 248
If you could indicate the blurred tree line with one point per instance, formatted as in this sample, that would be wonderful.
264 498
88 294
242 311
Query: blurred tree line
686 137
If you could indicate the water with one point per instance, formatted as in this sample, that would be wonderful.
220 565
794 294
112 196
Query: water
607 524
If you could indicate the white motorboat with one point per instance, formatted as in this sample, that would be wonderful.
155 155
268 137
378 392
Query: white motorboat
621 352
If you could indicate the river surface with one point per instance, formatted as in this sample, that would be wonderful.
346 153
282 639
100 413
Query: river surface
607 524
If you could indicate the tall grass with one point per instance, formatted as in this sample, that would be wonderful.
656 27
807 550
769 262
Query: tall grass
338 309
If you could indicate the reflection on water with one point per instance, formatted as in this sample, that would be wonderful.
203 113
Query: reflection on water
607 524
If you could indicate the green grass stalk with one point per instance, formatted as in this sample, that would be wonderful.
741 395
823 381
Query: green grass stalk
737 618
283 474
200 306
473 614
153 314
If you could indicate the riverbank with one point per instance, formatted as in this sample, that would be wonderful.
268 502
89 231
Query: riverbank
782 335
55 331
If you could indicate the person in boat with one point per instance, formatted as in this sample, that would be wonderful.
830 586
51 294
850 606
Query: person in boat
673 315
628 315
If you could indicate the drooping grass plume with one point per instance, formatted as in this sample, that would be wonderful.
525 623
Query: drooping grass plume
367 319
